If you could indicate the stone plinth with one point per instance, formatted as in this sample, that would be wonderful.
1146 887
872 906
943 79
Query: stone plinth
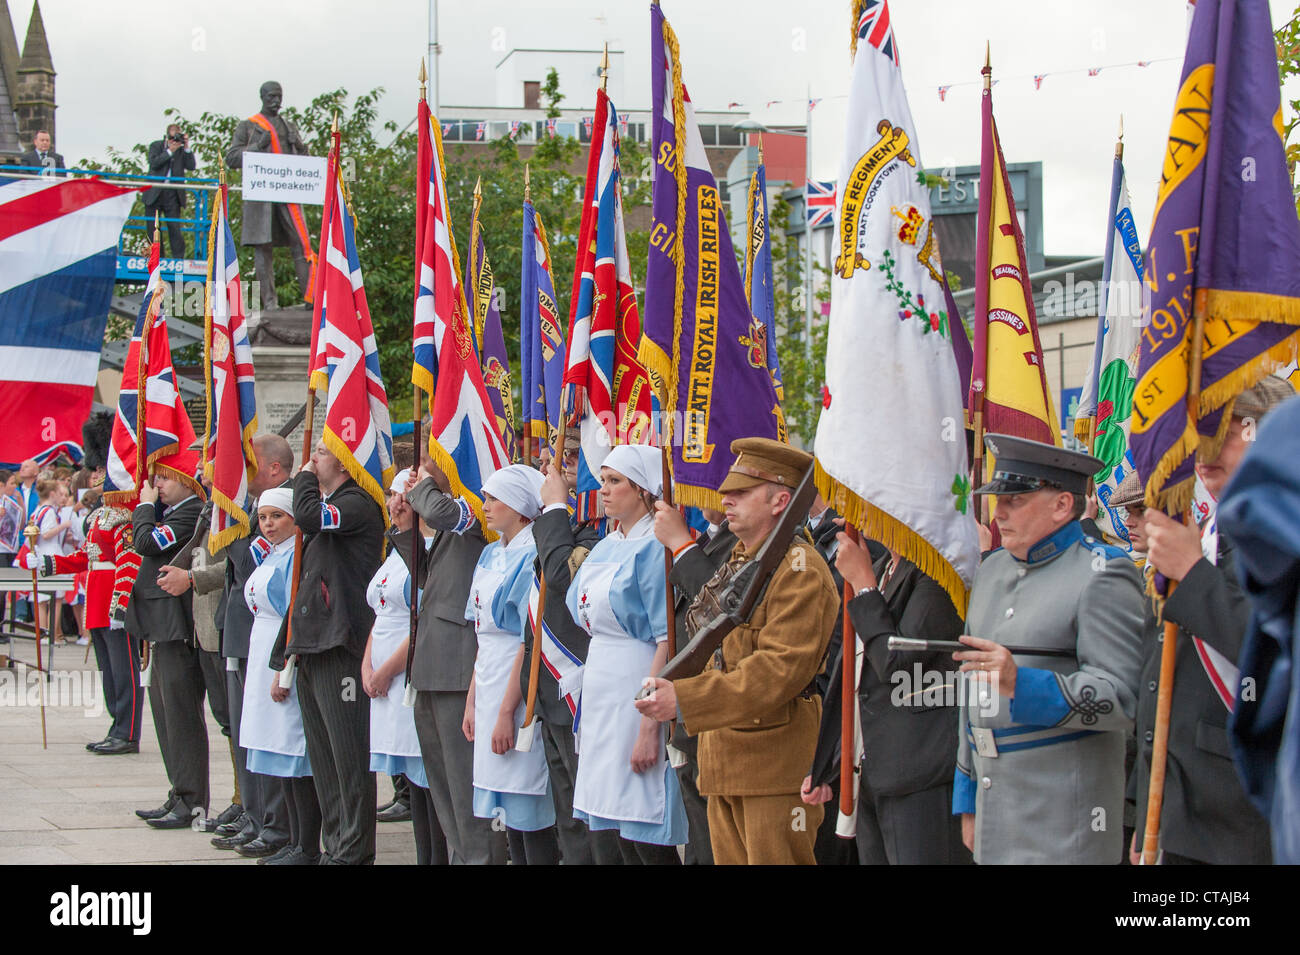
281 342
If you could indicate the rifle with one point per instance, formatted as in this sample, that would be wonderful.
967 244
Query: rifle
909 644
746 590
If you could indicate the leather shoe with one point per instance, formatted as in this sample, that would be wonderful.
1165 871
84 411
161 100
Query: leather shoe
116 747
286 850
257 849
233 842
147 814
230 814
91 747
295 856
176 819
397 812
230 828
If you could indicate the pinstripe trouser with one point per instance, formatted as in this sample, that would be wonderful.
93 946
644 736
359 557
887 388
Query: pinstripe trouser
336 721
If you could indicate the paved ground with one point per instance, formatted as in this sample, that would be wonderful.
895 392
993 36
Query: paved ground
63 805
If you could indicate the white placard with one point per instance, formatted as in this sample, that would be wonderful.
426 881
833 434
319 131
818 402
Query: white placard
277 177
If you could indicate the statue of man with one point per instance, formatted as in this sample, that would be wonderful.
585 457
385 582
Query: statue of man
268 224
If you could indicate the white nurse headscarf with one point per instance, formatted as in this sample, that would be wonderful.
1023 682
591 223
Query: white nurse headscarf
639 463
518 487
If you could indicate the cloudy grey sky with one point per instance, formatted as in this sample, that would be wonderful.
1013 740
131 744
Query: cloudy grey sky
120 64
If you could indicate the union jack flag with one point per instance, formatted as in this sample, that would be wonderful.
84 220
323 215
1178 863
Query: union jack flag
622 125
1093 71
875 28
586 124
160 417
228 459
607 391
345 359
550 127
482 129
514 128
943 92
812 103
463 438
821 201
1038 80
446 128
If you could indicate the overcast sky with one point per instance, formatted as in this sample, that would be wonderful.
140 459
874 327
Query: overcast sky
120 64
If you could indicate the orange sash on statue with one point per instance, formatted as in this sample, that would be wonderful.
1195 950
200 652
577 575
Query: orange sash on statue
295 210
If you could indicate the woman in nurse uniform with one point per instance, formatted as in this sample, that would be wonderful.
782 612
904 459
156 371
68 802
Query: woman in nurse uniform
624 780
394 747
509 785
271 728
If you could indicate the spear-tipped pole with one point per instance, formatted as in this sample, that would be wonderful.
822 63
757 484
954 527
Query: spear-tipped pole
604 69
528 196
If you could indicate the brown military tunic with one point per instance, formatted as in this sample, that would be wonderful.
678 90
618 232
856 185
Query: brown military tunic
757 718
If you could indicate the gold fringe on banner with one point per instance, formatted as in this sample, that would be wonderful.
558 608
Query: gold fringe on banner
876 524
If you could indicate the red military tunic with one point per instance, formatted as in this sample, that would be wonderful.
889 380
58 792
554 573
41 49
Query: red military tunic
111 563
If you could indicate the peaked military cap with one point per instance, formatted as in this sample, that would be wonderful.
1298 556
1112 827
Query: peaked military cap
1022 465
765 459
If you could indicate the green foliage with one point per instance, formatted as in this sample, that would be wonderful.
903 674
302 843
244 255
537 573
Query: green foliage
803 372
1287 38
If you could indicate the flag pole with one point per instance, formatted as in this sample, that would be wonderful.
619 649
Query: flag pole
524 739
141 434
847 824
31 532
417 443
309 424
983 250
1117 175
807 229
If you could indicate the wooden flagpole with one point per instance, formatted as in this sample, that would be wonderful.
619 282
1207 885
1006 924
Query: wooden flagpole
848 704
31 532
417 439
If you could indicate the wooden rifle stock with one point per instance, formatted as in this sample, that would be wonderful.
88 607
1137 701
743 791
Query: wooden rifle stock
746 589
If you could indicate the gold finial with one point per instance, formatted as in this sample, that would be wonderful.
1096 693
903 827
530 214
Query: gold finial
1119 142
334 127
988 68
423 78
604 69
1121 126
478 188
221 173
760 149
527 185
157 233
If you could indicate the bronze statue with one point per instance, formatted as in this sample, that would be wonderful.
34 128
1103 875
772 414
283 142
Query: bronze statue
269 224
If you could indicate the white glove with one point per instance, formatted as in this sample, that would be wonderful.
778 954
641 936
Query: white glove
32 561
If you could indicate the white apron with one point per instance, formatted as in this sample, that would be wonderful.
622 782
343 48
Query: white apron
267 725
513 771
616 665
392 725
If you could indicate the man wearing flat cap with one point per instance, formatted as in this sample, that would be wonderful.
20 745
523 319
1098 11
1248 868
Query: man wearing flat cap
755 707
1205 816
1040 748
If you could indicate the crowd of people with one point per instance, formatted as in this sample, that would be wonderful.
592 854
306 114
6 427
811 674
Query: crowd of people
1043 756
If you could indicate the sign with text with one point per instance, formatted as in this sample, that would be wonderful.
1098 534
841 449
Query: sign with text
279 177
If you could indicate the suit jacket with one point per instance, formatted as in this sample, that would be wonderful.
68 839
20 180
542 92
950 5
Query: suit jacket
256 225
909 739
445 642
756 716
343 544
823 538
174 165
33 158
1205 813
158 534
561 549
208 574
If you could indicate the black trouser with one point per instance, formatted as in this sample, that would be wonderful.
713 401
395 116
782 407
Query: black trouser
699 850
214 683
264 797
336 720
118 655
828 848
430 840
533 848
402 790
647 853
303 810
176 699
912 829
169 205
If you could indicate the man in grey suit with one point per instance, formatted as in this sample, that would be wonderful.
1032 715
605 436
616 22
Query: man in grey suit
42 154
1040 745
445 648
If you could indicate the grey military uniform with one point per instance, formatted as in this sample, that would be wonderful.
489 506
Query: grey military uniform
1054 791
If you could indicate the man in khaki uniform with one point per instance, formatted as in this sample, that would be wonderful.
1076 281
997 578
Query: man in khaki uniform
756 711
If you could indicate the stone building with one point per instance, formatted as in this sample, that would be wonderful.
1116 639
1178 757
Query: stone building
27 101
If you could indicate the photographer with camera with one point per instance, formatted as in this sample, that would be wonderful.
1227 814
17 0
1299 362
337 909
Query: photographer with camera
170 157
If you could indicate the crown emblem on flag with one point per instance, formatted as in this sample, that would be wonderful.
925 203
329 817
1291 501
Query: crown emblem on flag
910 230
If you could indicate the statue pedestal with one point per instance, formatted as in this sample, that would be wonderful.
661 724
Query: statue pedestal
281 340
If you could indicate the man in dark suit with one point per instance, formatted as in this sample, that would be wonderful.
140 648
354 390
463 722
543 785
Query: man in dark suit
694 564
343 533
163 524
170 157
561 549
445 648
42 154
909 741
1205 816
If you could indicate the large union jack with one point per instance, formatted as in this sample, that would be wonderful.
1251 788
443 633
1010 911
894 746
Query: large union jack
607 389
345 359
160 416
228 459
820 197
463 437
875 28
